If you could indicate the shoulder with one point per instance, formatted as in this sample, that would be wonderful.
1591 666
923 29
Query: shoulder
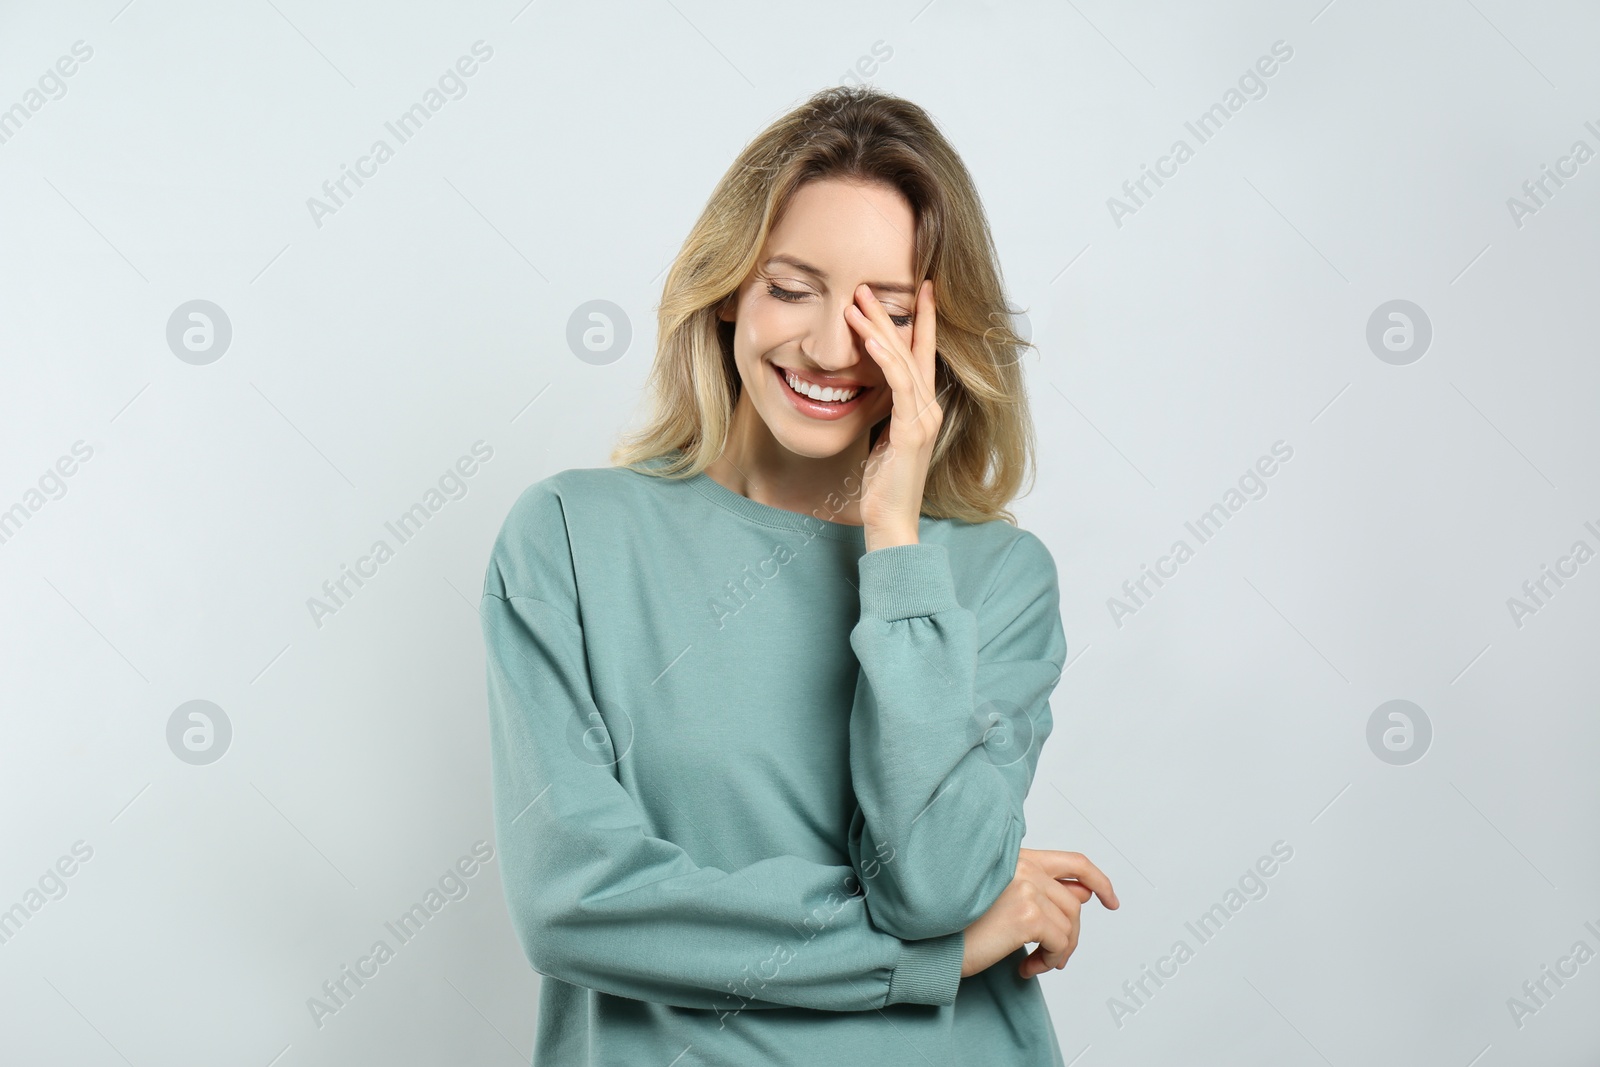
1016 590
533 549
1006 555
546 503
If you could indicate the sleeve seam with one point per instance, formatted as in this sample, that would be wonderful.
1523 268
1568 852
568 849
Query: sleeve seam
998 571
566 561
982 615
555 609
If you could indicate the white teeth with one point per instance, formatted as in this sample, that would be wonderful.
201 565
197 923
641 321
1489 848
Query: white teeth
818 393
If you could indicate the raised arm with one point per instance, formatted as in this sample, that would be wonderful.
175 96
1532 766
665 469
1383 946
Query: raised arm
598 901
951 710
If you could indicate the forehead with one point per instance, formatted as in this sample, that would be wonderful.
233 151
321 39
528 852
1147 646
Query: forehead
853 232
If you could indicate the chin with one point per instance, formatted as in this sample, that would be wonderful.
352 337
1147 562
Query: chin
817 444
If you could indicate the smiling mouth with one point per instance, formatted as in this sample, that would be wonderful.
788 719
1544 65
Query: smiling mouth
819 409
854 391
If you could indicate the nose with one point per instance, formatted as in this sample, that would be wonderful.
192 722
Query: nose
833 344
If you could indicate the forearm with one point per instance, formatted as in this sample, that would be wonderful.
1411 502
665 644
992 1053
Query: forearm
950 714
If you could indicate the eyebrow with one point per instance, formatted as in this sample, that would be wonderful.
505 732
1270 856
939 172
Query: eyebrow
821 276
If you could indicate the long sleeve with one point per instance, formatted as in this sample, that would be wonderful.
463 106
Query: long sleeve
951 710
595 899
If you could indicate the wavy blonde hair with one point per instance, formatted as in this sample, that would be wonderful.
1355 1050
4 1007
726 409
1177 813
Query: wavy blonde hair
985 446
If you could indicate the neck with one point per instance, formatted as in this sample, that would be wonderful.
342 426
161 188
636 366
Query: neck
754 465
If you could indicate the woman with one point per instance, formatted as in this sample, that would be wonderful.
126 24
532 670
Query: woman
767 695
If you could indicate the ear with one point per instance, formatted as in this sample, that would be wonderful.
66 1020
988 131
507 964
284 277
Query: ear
725 309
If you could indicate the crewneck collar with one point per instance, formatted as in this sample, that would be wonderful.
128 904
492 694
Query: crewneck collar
779 518
767 515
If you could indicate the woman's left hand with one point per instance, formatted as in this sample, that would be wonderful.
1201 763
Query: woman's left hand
897 468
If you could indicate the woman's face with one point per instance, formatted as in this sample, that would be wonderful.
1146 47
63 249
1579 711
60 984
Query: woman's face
789 314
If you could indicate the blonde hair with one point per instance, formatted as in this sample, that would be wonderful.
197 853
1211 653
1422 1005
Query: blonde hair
985 447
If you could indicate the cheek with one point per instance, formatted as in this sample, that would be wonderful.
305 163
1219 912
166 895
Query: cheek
765 313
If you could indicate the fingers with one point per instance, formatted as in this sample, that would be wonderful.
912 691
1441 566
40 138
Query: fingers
1064 882
1056 937
871 320
1077 889
907 394
1043 957
910 375
1069 904
924 327
1051 920
1059 864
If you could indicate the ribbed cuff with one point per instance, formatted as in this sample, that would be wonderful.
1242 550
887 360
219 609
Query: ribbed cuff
928 971
907 581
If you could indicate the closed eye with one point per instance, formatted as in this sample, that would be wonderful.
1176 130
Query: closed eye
791 296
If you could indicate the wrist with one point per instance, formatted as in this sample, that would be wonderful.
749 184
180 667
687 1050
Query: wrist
887 537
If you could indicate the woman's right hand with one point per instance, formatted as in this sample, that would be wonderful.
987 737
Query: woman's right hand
1037 908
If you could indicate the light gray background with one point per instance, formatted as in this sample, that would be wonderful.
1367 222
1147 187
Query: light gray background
432 311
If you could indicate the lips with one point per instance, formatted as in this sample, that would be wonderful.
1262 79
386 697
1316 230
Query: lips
822 383
819 409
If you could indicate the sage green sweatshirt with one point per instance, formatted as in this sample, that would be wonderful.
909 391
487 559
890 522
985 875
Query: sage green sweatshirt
752 782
